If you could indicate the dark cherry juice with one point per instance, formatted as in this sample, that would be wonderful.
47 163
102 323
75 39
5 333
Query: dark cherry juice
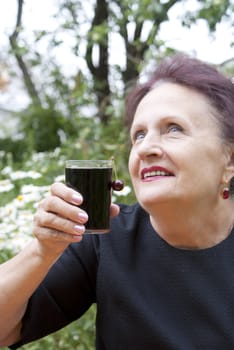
95 186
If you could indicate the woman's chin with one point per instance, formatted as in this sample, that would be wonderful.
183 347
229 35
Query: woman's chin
153 199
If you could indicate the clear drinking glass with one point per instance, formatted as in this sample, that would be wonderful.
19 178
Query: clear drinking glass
92 179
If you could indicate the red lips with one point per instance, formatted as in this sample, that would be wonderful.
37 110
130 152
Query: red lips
155 171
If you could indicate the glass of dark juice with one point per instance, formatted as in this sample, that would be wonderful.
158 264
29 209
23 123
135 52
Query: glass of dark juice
92 179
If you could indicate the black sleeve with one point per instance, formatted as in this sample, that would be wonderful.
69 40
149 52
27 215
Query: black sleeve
65 294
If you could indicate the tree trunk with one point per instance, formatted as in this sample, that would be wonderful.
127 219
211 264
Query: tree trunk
31 89
99 65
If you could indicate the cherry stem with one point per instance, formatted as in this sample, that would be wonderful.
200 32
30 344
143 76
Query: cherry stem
114 168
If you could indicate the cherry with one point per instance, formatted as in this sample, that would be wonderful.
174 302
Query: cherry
117 185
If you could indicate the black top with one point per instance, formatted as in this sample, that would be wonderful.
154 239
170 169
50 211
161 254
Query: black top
149 294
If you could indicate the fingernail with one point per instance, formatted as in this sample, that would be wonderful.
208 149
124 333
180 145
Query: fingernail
77 237
79 228
76 198
83 216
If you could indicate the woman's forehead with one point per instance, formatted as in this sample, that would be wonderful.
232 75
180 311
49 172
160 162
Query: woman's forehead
170 100
170 95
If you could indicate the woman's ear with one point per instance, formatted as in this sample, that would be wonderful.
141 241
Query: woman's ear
232 187
229 171
229 168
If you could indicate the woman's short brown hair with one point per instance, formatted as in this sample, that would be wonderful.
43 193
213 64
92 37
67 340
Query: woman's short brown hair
195 74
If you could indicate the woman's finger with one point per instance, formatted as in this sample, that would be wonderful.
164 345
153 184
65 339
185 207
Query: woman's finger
58 223
66 193
61 208
45 234
114 210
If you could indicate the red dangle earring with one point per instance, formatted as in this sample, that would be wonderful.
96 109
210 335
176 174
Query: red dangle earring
226 193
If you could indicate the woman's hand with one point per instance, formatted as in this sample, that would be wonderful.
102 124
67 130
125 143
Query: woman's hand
59 220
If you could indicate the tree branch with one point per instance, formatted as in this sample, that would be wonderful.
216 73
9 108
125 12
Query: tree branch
229 60
19 57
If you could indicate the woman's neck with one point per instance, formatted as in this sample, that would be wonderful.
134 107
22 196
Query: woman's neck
196 229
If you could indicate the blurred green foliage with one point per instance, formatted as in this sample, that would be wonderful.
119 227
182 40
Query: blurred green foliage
42 126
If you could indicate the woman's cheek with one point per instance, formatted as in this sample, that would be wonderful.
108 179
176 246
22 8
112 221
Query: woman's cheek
131 164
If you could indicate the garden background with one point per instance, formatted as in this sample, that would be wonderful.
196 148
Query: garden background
54 108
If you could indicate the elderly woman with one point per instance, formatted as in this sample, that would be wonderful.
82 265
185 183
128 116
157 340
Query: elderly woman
163 278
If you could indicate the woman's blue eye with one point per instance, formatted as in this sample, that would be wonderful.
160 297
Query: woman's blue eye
174 128
139 135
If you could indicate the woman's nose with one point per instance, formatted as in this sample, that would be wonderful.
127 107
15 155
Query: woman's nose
150 146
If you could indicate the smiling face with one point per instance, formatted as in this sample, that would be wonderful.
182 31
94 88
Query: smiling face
177 155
